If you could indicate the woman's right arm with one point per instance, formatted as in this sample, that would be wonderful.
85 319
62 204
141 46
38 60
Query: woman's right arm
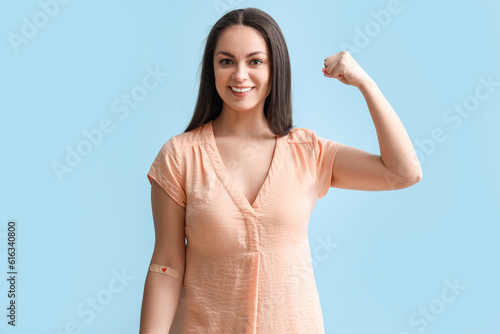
161 291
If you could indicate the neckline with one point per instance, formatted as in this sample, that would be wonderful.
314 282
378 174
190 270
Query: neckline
230 185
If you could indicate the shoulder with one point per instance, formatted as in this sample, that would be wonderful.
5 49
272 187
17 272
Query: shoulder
301 136
307 140
182 141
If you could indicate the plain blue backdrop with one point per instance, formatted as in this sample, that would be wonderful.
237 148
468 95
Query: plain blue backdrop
421 259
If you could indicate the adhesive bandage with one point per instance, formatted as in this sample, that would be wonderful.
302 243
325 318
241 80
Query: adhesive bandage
158 268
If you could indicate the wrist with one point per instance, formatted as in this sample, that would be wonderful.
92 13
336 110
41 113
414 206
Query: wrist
366 85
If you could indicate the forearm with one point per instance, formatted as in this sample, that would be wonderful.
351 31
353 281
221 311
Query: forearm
396 150
159 303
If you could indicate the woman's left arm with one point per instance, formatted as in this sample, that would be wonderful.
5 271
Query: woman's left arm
397 165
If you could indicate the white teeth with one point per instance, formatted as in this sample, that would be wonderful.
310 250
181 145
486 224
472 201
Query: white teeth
241 90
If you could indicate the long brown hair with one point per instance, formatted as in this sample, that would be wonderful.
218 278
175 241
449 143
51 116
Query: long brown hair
278 104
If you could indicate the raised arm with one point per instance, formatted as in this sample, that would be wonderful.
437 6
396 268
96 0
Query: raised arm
397 165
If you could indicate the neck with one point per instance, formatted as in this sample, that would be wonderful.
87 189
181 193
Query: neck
242 124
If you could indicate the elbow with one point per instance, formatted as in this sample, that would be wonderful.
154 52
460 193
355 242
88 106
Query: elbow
409 178
418 174
413 178
405 179
417 178
410 173
415 174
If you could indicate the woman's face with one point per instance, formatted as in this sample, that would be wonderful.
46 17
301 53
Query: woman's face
232 68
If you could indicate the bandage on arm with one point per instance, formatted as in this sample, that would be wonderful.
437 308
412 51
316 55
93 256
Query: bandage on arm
158 268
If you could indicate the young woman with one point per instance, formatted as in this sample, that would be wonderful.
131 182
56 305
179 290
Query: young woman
240 184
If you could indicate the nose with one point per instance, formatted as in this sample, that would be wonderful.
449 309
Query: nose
240 74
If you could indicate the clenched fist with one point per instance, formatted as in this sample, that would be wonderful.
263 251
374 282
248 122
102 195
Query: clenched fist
343 67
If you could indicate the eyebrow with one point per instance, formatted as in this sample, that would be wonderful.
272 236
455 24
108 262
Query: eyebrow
229 54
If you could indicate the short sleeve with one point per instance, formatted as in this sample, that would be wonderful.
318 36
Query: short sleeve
166 171
325 152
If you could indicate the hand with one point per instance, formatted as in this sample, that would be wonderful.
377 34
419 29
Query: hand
343 67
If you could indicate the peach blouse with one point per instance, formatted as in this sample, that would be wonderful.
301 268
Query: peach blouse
248 266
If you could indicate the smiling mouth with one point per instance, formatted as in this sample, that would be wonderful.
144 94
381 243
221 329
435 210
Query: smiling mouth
241 90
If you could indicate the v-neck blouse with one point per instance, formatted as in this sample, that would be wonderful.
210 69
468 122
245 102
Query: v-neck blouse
248 267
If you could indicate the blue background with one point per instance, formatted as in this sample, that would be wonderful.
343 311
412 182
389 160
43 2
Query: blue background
394 250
